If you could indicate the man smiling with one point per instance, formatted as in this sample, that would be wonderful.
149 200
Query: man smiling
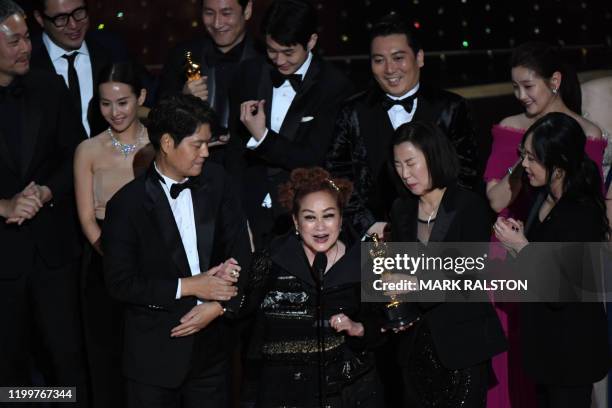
282 113
366 123
67 48
218 55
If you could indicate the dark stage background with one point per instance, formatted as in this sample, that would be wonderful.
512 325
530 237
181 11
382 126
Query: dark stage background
467 42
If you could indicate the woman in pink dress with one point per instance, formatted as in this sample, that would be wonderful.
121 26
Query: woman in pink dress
543 84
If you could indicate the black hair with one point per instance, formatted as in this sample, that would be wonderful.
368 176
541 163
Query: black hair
9 8
179 116
241 3
545 60
123 72
395 24
558 142
440 155
290 22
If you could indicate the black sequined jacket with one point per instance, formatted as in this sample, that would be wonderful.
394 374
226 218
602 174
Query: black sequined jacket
361 148
284 293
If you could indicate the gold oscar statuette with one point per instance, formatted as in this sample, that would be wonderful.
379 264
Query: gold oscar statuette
192 70
397 314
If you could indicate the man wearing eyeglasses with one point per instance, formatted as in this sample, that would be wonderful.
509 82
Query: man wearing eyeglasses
39 301
66 48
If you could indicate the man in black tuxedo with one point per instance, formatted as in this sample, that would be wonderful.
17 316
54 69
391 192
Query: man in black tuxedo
68 48
218 54
282 113
38 224
162 230
365 124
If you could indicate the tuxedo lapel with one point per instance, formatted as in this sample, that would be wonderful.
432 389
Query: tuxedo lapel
377 132
204 221
158 208
264 91
31 128
296 111
445 217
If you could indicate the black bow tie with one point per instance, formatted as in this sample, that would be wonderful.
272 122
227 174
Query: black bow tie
176 188
407 102
278 79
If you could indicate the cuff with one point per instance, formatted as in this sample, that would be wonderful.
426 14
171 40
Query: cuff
178 290
253 143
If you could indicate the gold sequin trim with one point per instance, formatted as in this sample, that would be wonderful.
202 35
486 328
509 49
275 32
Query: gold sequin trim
301 346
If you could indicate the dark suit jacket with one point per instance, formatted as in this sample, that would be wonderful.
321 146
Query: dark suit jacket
564 343
100 58
303 139
173 76
143 259
464 334
50 136
361 148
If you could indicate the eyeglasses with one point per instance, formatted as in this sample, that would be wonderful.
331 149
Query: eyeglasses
61 20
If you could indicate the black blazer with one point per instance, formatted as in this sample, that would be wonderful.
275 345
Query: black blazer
49 137
564 343
303 139
361 148
143 259
173 78
100 58
464 334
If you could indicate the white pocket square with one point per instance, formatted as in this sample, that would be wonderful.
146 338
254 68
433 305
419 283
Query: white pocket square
307 119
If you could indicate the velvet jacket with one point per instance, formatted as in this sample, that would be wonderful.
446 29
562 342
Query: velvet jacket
361 148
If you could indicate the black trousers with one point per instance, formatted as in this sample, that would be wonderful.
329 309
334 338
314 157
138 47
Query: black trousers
555 396
204 387
41 321
103 328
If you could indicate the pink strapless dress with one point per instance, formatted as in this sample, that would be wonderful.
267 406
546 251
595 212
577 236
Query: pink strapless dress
514 389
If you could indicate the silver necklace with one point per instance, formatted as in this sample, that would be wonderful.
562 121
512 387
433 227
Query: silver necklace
126 148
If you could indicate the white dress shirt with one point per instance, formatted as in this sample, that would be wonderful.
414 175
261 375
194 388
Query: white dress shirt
182 210
282 97
82 65
397 114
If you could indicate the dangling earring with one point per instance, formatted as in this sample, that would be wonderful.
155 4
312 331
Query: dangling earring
297 233
554 91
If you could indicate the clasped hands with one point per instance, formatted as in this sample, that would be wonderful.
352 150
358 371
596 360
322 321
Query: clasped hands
511 234
214 285
26 204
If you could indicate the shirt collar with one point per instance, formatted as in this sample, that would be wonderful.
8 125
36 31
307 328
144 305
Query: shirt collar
56 52
304 67
407 94
167 180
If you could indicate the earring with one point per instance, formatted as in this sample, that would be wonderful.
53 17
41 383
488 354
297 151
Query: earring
297 233
554 91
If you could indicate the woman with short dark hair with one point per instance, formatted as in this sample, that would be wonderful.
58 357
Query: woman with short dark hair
565 345
445 356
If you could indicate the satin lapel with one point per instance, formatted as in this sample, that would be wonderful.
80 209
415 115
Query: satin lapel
98 58
158 208
33 116
264 91
298 107
204 221
206 70
444 218
407 225
377 131
424 110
